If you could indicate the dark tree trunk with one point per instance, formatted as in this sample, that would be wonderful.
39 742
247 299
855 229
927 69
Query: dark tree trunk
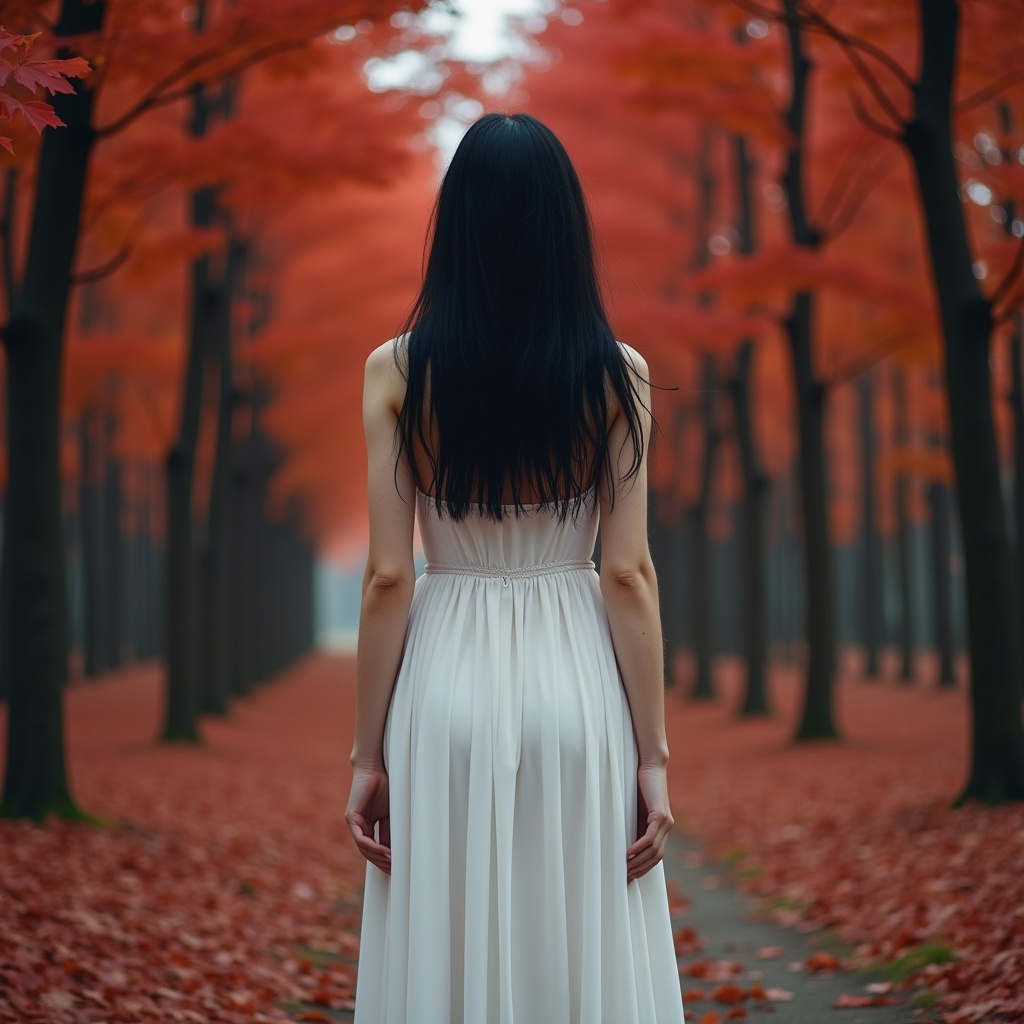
993 617
755 483
94 651
780 572
874 622
181 643
1017 401
148 578
36 778
941 538
701 599
903 535
703 623
817 719
217 668
113 547
670 535
243 577
5 612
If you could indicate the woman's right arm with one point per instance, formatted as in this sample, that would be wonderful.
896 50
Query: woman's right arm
630 590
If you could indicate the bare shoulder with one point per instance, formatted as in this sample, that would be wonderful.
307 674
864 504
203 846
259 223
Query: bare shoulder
633 356
384 377
387 359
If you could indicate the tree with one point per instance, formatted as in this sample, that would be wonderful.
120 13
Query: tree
36 782
147 64
921 119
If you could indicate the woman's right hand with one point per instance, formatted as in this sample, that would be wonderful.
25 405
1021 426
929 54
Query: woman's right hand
369 804
654 821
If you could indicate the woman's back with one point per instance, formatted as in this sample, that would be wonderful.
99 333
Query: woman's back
512 762
509 786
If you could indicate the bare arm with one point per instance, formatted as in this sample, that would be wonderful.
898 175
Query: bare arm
630 590
384 616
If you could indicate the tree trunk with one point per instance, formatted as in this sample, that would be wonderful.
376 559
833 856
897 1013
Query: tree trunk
243 576
1017 401
91 548
903 541
36 778
703 623
222 518
871 548
816 718
755 485
5 612
114 550
997 740
182 691
941 536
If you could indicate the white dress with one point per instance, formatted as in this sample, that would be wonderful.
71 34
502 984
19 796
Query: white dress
512 764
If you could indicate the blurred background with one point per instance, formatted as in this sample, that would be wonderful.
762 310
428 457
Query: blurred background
808 220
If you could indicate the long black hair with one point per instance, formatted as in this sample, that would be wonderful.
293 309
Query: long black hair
510 358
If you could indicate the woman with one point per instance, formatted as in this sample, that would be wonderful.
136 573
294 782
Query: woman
509 764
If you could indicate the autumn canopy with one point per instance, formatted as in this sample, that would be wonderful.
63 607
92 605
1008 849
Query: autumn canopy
809 218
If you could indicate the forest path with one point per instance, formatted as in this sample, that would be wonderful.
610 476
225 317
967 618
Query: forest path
728 933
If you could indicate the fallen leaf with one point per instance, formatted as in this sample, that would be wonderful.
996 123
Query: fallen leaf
728 994
852 1001
821 961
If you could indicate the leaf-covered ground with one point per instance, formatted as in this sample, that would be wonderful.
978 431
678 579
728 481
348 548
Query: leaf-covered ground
232 861
859 838
227 887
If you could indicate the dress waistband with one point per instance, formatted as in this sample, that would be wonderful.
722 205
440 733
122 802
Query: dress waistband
505 573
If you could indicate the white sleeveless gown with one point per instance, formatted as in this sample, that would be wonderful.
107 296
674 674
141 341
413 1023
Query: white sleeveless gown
512 772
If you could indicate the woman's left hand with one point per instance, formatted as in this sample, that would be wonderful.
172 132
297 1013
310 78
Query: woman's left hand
654 821
369 803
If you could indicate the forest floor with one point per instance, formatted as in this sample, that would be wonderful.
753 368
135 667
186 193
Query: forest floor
227 888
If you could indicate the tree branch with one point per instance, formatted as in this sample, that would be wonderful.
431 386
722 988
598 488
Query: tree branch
118 260
855 367
852 43
159 95
843 219
989 91
870 123
1004 286
838 187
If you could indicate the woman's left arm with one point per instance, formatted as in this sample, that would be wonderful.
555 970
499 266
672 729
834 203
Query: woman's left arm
387 594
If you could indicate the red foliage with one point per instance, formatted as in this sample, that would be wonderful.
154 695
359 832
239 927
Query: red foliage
21 77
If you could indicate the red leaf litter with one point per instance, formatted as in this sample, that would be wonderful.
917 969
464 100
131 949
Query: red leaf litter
228 889
859 836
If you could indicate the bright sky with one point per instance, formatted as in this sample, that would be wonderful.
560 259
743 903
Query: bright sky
479 32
